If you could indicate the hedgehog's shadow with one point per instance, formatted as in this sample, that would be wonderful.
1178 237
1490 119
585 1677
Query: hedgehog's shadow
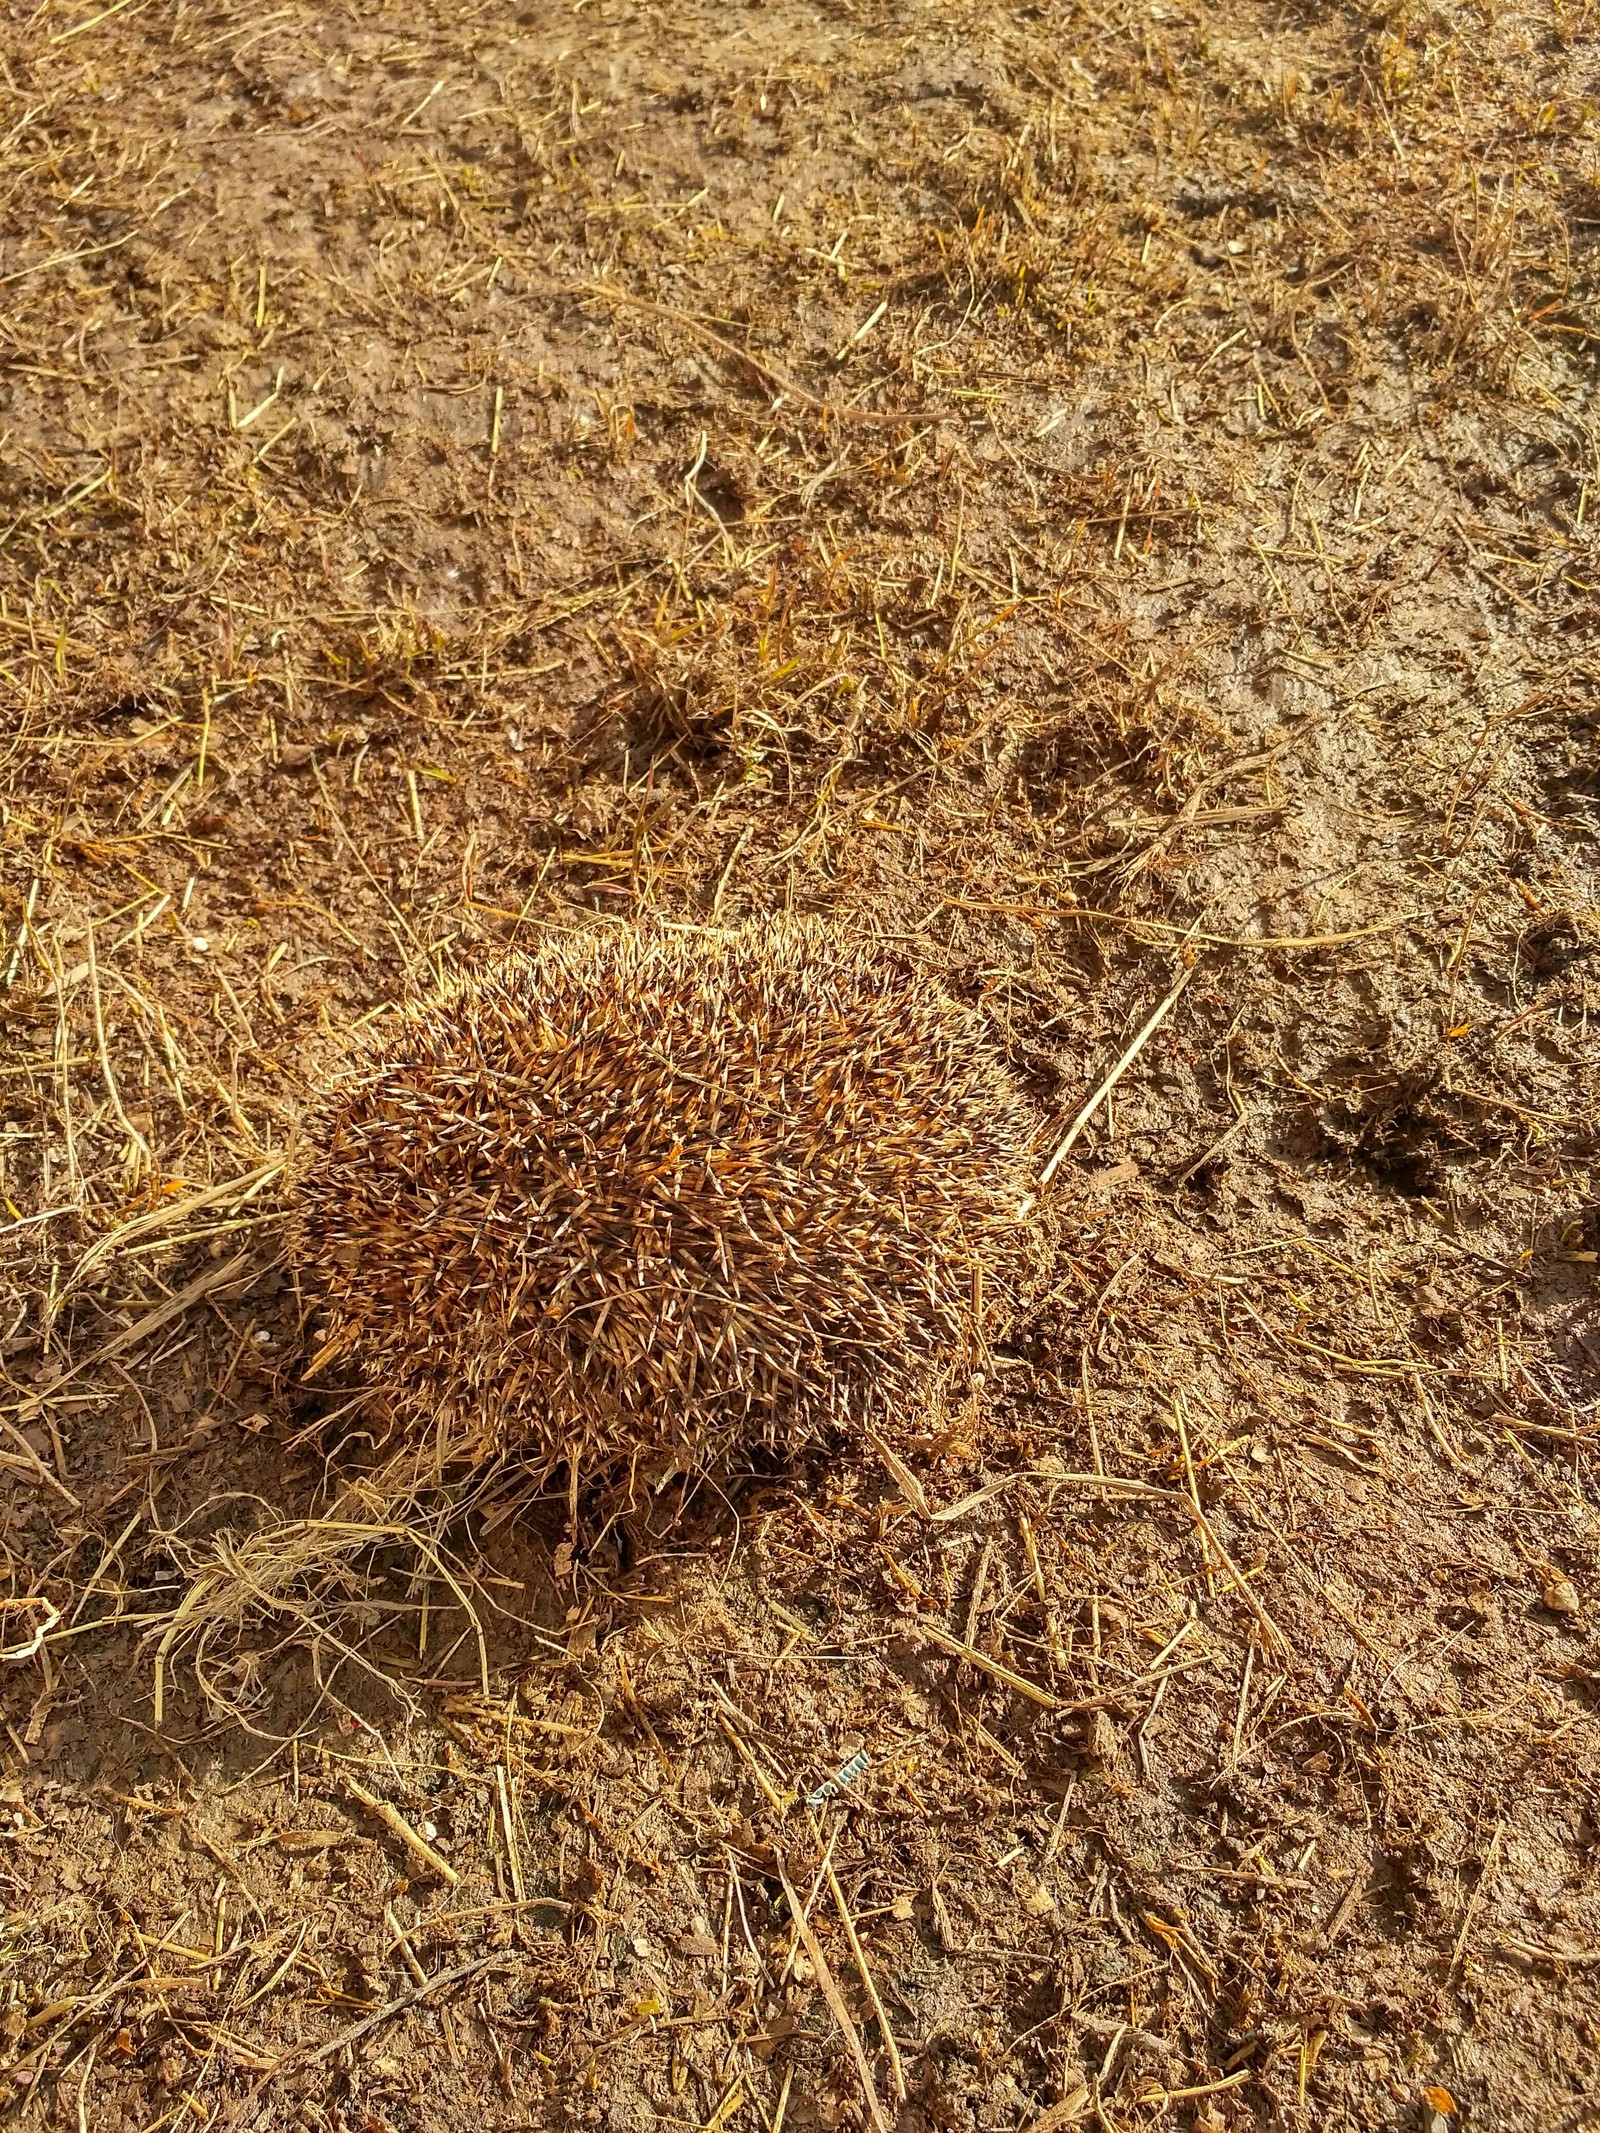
592 1562
350 1599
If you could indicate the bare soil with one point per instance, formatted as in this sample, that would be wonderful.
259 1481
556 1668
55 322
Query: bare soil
1106 493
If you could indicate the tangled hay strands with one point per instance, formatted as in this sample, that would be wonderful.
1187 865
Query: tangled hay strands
291 1571
643 1193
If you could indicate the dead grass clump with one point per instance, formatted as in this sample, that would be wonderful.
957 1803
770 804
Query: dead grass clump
263 1585
680 694
832 659
398 659
634 1196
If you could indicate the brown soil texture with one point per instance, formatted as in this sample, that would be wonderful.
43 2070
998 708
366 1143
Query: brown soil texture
1103 494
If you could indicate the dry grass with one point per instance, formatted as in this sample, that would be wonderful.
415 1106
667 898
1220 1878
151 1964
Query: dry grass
1107 494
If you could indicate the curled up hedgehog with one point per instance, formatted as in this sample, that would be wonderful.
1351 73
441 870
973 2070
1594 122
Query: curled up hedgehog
638 1197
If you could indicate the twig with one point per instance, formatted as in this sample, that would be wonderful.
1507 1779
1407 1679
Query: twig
205 1284
1339 1918
44 1214
727 872
37 1464
386 2013
1218 1147
1188 1475
1086 914
835 2000
1276 1641
1477 1897
146 1159
394 1821
1111 1484
1116 1074
980 1579
171 1215
780 1807
958 1649
508 1820
897 2072
402 1941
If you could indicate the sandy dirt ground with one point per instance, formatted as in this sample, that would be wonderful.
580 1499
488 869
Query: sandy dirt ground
1103 494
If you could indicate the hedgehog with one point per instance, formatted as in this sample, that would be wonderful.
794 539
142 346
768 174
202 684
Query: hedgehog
645 1195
